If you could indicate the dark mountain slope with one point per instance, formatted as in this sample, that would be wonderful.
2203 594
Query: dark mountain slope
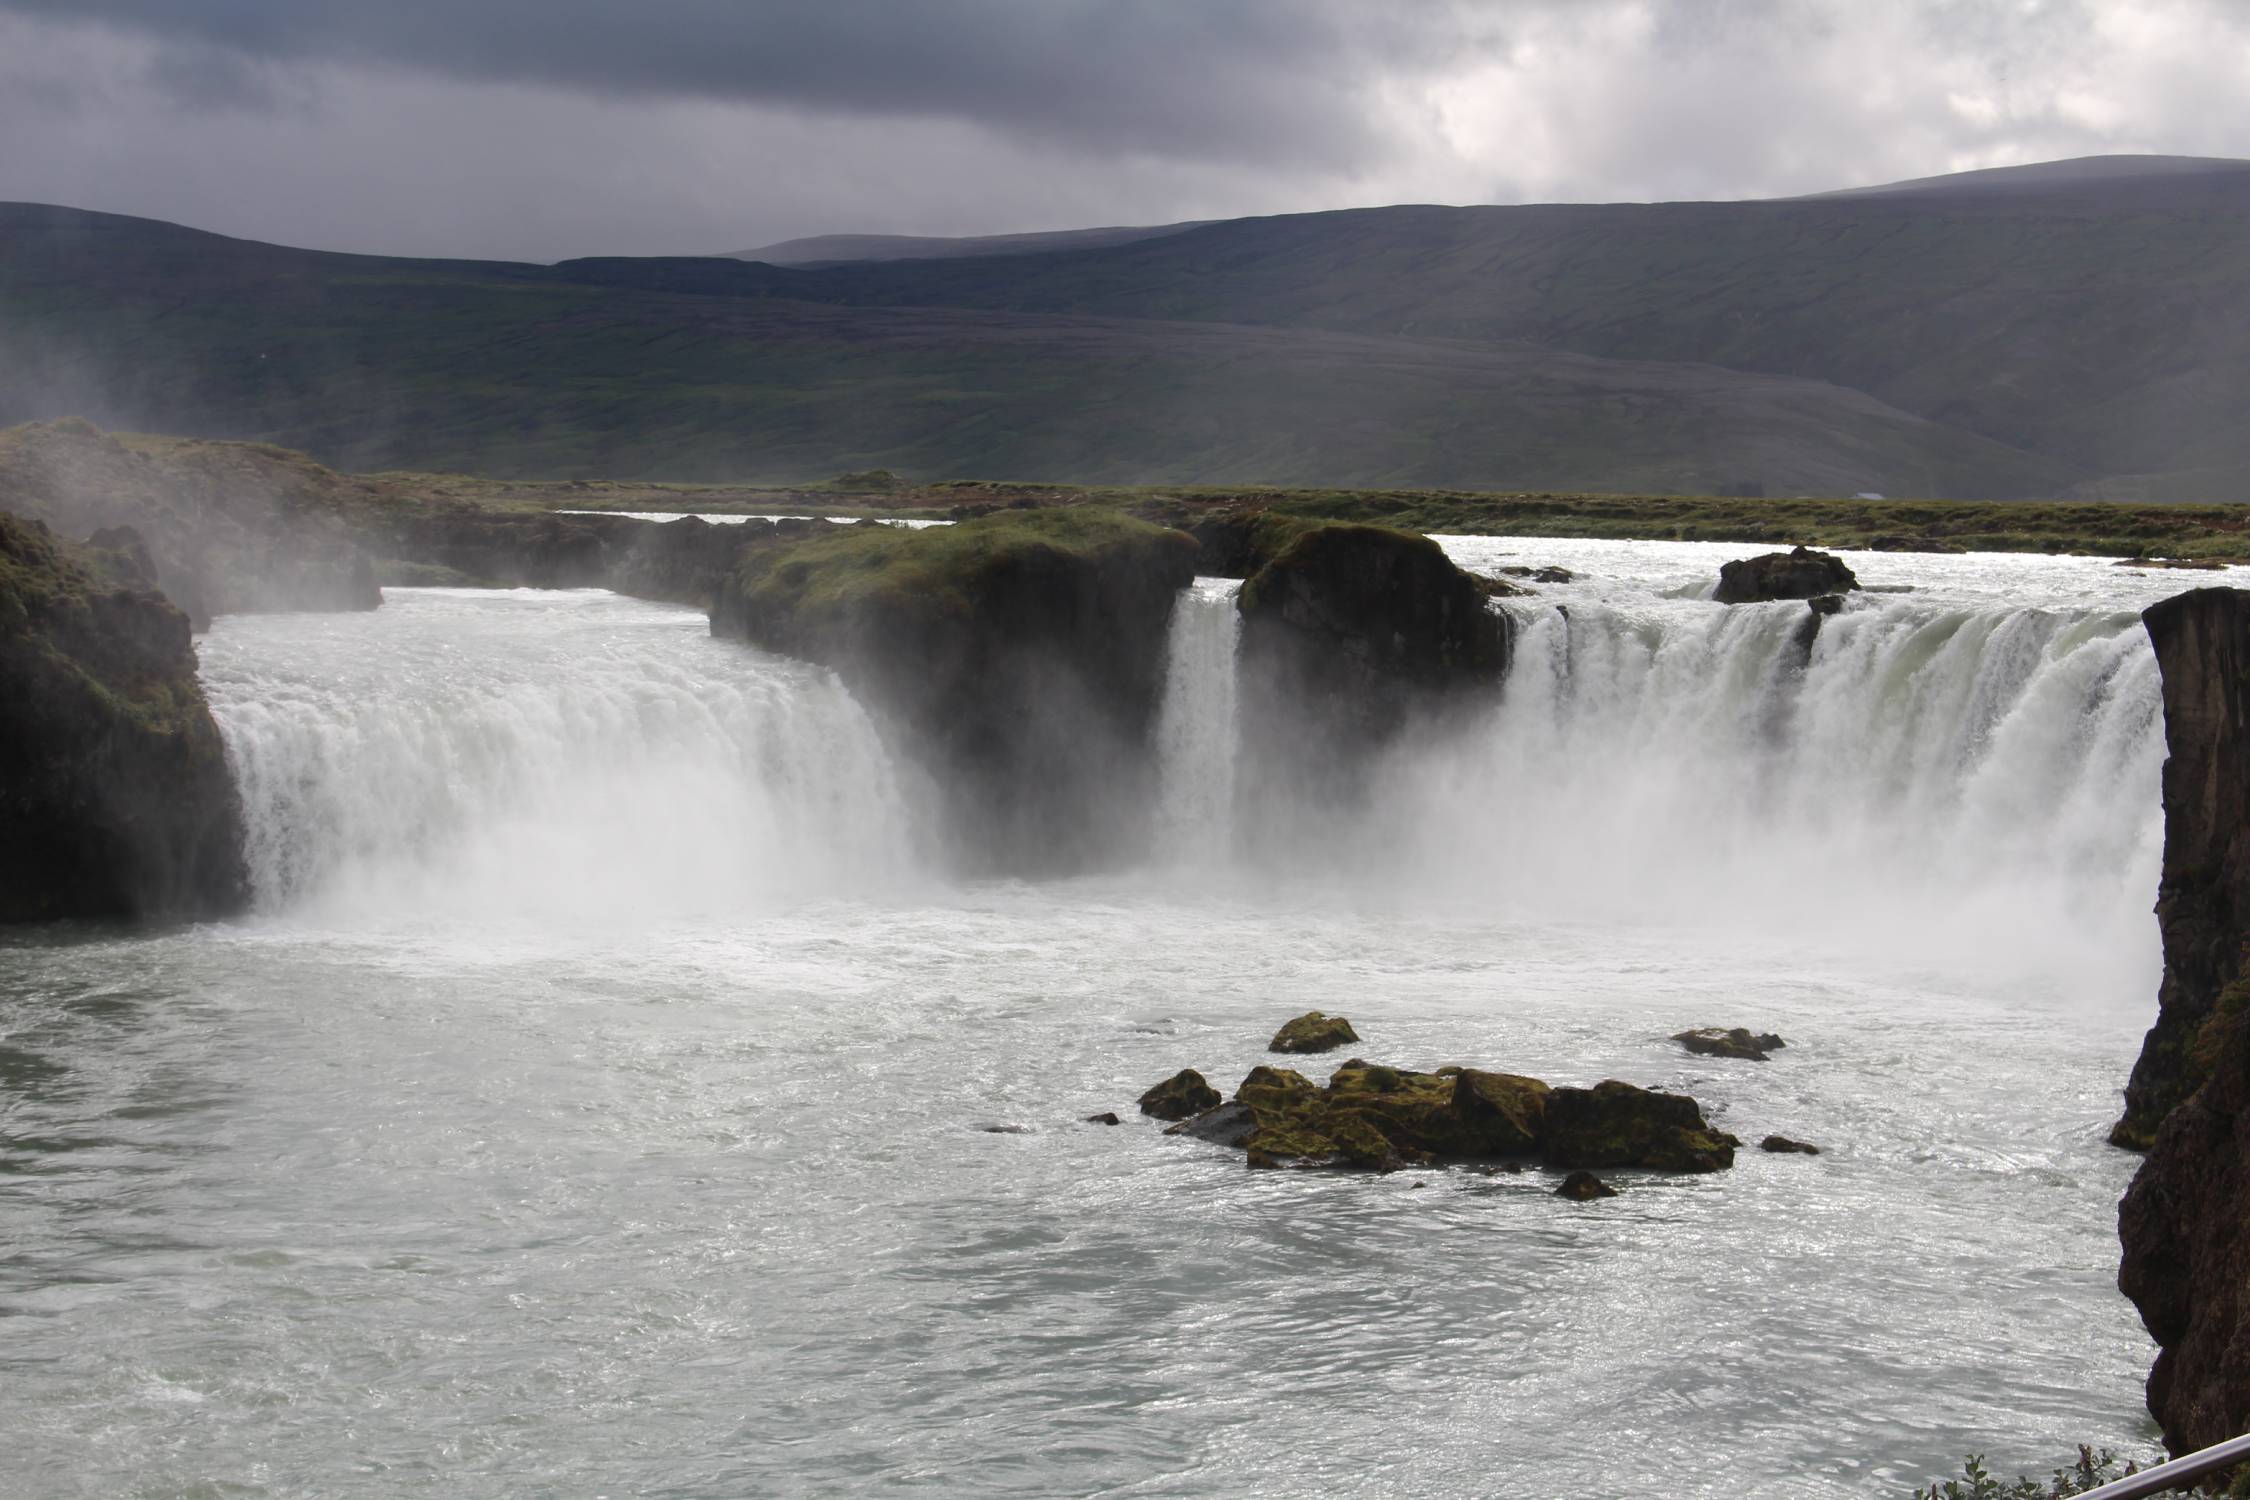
2102 319
694 370
834 249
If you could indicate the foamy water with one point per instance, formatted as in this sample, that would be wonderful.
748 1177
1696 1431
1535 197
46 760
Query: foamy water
596 1102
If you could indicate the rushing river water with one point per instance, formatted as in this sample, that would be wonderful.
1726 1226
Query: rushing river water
598 1102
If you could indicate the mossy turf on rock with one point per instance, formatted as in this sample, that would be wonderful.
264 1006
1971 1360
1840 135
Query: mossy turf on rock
115 798
1018 658
1800 573
1313 1032
1736 1042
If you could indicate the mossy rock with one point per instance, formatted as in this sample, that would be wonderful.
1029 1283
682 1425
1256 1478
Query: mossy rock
1313 1032
1781 1145
1615 1124
1737 1042
1183 1094
1584 1187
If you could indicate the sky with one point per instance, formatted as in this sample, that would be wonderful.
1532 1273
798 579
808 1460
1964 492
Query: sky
542 129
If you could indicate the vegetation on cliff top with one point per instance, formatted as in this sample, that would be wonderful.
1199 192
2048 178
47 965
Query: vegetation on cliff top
941 571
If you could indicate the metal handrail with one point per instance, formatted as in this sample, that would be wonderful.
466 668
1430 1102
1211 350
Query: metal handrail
2167 1477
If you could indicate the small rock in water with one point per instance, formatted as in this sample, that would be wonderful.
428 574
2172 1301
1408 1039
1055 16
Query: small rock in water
1184 1093
1313 1032
1738 1042
1005 1129
1584 1187
1782 1143
1106 1117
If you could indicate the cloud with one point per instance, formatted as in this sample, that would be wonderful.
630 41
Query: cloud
543 128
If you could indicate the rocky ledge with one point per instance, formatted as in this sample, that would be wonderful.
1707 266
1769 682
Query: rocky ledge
1017 658
1373 1117
114 789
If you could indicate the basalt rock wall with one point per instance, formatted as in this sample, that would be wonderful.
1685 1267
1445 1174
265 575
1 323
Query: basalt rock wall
2185 1235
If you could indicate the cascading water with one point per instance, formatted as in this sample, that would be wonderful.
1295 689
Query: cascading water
1972 778
1195 732
1954 779
542 753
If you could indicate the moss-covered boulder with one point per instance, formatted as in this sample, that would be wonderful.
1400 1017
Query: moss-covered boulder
1313 1032
1183 1094
1799 573
1350 635
1018 658
1584 1187
1737 1042
115 798
1615 1124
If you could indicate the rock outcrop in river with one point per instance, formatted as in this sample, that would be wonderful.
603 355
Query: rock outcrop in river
114 792
1374 1117
1017 658
1800 573
2186 1239
1351 635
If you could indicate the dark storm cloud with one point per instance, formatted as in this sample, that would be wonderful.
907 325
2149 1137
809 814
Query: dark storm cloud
1244 80
537 129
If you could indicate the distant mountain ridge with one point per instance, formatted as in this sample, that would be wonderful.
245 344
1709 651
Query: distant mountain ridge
836 249
2077 327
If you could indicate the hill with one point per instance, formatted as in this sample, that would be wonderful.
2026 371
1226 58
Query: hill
2079 328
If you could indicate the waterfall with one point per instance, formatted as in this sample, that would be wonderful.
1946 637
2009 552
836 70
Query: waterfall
542 754
1195 731
1967 780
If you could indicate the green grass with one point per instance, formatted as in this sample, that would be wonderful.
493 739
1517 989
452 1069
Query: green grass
939 571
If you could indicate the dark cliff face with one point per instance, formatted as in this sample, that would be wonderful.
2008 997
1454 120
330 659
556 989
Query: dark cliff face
115 796
1018 659
2202 642
2185 1233
1351 635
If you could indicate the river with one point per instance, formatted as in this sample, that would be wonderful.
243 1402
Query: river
611 1095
